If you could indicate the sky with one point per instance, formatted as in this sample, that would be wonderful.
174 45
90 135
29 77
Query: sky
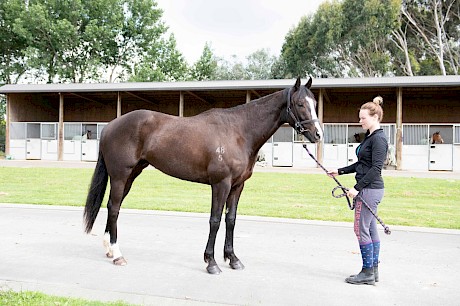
235 27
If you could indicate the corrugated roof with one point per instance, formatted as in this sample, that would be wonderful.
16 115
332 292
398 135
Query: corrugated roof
404 81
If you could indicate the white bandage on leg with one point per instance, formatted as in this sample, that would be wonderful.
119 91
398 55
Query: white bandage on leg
116 251
108 249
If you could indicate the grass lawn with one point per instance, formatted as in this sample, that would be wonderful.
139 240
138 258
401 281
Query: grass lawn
9 297
408 201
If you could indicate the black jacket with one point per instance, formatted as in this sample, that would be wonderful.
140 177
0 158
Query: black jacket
372 153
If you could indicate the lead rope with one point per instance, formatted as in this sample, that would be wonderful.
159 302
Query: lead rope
344 194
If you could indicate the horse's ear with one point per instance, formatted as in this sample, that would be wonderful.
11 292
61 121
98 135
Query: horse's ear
308 85
297 84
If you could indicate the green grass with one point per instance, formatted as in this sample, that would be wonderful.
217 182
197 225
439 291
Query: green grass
408 201
31 298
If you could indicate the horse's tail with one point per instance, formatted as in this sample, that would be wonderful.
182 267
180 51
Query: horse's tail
96 193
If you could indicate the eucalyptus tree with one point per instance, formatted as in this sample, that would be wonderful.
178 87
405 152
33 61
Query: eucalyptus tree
435 23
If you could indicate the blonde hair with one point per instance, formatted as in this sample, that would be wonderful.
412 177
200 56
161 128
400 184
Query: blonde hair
374 107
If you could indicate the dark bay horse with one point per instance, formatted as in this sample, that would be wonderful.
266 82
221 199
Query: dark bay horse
218 147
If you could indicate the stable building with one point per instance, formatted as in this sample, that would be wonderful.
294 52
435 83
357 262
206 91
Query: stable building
65 121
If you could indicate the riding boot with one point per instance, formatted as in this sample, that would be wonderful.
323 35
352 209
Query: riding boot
376 274
376 260
366 276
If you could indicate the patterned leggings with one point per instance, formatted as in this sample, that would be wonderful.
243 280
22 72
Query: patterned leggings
365 226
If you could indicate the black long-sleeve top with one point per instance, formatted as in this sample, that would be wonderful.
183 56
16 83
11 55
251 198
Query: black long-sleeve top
371 153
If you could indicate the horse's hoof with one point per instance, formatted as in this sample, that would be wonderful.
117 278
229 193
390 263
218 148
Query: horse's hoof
213 269
120 261
109 255
237 265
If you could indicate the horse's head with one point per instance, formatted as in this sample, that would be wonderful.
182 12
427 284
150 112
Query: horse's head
301 111
437 138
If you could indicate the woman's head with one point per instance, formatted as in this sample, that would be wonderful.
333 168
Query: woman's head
371 114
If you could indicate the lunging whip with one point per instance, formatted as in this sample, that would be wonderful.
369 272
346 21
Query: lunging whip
344 194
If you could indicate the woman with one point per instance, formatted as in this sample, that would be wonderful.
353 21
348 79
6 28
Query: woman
369 186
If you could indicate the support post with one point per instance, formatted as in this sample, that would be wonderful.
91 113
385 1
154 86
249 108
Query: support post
7 128
399 136
61 128
181 104
118 105
320 145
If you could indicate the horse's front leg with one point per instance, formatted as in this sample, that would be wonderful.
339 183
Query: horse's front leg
219 195
230 218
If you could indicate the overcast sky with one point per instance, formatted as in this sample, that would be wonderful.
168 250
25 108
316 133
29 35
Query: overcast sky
235 27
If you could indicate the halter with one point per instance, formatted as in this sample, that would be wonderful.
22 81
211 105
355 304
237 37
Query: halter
298 125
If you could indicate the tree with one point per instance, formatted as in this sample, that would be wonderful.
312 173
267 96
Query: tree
206 66
232 69
12 64
139 30
435 22
259 65
77 40
346 38
162 64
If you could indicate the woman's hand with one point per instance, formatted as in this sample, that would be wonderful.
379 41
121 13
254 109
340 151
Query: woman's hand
352 192
333 173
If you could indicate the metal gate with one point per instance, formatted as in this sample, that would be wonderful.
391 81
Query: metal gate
72 141
456 148
89 143
441 155
33 141
18 140
283 147
415 147
49 141
335 145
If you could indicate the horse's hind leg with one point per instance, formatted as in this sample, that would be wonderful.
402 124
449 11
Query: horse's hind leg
230 218
113 208
119 189
219 195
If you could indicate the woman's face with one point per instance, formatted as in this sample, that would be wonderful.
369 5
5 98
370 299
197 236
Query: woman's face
367 121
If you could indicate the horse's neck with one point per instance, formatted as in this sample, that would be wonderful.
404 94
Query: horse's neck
263 117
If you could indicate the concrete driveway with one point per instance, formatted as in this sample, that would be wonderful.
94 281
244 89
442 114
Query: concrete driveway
288 262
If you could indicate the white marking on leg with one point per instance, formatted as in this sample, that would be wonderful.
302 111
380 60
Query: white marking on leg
314 116
108 249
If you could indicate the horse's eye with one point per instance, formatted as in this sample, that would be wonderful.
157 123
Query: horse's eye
300 105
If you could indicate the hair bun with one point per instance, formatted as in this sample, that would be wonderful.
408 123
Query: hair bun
378 100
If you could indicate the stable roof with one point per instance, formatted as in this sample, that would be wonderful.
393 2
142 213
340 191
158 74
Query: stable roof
403 81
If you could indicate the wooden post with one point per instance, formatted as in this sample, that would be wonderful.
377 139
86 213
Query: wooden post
61 128
7 130
319 147
181 104
118 105
248 96
399 136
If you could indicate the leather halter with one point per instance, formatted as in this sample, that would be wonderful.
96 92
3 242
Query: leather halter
298 125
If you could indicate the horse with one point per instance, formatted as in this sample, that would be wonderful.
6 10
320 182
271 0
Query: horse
218 147
437 138
359 137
